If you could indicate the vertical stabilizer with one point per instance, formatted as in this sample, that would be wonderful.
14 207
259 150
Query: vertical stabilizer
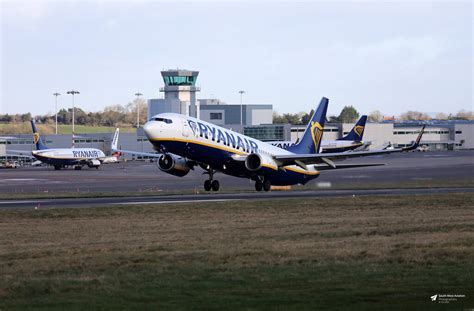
357 131
36 137
311 140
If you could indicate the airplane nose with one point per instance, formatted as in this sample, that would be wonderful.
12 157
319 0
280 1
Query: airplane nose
148 129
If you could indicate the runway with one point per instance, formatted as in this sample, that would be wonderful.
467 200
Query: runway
436 167
214 197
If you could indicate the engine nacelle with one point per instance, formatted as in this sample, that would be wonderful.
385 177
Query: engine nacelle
93 163
174 165
255 162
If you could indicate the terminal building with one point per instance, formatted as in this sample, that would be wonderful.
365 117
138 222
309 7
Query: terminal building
439 135
453 135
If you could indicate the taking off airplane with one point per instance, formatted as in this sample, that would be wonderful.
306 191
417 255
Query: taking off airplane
185 142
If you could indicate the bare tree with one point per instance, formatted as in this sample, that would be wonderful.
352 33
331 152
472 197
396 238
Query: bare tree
375 116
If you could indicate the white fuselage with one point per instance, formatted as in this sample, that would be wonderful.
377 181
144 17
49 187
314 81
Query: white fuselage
326 145
197 132
70 156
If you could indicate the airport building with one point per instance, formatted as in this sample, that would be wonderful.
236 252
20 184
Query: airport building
179 94
439 135
442 135
180 97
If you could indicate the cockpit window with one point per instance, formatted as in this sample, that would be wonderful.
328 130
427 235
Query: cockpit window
167 121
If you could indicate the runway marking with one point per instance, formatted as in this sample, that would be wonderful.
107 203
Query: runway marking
177 201
22 179
22 202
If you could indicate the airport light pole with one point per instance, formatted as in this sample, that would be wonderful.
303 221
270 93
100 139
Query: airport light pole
241 109
56 107
138 94
73 92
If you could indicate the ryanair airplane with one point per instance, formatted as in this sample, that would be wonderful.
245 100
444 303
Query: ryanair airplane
352 141
185 142
62 157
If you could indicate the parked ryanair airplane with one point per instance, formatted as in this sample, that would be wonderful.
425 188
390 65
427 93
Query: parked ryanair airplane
352 141
185 142
62 157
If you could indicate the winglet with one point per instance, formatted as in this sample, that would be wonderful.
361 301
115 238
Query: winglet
114 144
416 143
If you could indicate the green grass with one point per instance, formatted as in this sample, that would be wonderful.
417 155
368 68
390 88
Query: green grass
364 253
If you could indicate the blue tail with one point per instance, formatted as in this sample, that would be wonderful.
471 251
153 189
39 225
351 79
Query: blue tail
311 140
37 138
357 131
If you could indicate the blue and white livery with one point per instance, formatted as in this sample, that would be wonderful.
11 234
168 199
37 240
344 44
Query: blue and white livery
185 142
62 157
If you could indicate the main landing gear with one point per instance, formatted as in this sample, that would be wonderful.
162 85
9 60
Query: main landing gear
262 184
211 183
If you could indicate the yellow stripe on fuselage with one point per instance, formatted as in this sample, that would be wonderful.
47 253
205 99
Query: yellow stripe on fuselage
200 143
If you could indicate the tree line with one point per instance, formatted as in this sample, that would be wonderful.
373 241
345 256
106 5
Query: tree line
350 115
124 116
115 115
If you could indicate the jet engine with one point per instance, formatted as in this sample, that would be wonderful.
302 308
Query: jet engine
174 165
93 163
255 162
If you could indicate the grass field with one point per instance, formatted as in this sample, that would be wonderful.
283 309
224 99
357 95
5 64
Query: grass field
25 128
370 253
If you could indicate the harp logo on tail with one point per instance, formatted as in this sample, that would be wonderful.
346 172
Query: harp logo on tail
36 137
359 129
316 133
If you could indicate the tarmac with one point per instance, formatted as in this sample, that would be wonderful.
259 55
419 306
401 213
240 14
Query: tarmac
215 197
426 167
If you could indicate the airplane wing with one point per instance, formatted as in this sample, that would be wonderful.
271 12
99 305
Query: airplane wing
114 148
341 166
328 158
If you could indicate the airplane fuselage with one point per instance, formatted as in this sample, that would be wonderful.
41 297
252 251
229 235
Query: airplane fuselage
221 149
69 156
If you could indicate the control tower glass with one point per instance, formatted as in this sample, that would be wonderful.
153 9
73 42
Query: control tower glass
179 80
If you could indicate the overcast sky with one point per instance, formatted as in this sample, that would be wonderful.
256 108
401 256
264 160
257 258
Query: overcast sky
385 56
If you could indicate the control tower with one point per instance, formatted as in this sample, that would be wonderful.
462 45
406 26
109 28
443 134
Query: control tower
180 91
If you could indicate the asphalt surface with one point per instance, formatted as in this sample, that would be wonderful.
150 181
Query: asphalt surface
214 197
145 176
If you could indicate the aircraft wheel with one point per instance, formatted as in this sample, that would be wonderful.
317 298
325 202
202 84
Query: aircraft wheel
57 167
267 185
96 167
207 185
258 185
215 185
78 168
